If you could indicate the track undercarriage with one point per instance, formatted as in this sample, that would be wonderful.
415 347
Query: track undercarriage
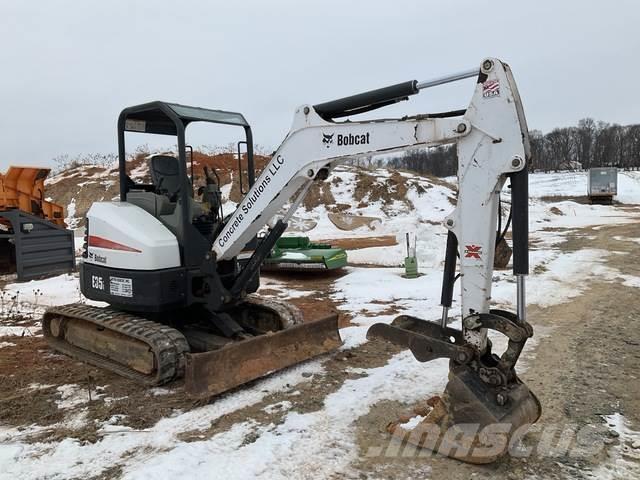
274 336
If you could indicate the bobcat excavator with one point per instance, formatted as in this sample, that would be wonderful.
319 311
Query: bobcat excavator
180 277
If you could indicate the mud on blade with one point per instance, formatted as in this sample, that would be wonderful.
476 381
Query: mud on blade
210 373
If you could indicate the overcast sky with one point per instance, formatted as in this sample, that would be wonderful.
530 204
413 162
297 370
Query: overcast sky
69 67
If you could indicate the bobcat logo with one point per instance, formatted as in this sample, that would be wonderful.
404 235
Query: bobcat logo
327 139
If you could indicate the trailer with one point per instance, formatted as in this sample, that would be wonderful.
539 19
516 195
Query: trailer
34 240
603 184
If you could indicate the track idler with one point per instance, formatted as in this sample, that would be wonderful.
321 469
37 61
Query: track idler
485 408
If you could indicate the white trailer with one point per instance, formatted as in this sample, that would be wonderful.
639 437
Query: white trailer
603 184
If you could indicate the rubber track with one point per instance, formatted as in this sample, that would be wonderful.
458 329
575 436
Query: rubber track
167 344
290 315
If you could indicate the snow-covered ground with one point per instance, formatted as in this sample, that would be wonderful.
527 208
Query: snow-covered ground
420 212
322 443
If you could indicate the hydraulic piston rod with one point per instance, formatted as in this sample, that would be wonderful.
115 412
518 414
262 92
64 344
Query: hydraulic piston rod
373 99
453 77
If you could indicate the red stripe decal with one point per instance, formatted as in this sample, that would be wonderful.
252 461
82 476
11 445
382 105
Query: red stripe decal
95 241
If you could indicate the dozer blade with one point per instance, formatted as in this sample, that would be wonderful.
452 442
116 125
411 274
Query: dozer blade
210 373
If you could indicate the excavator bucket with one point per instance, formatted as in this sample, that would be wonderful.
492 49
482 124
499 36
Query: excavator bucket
211 373
485 407
468 423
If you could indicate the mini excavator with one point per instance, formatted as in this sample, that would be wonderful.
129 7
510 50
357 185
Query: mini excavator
180 277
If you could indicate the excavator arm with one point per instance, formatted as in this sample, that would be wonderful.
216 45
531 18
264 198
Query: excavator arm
492 144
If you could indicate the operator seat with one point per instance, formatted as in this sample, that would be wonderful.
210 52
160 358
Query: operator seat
165 174
163 203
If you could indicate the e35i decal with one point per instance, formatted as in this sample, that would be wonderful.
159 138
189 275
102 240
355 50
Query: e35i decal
97 282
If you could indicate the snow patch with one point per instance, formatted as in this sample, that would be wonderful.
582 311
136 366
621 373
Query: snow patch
626 239
412 423
318 444
58 290
72 395
71 220
624 457
18 331
71 458
277 407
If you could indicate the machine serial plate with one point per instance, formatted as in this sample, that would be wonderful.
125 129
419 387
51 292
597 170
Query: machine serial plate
122 287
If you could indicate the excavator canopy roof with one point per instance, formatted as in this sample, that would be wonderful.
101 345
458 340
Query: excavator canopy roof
163 118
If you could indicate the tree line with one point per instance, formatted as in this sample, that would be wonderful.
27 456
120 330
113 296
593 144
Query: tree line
589 144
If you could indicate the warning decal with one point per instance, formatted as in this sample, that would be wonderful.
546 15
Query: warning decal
473 251
122 287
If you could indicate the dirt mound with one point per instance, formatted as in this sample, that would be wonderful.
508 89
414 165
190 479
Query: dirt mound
370 188
78 187
319 194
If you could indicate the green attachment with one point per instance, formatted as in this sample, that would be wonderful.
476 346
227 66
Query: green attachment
411 267
298 253
411 261
293 242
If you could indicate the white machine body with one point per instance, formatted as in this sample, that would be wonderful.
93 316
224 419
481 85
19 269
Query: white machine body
124 236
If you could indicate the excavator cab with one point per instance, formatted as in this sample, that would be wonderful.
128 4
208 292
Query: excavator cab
173 176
